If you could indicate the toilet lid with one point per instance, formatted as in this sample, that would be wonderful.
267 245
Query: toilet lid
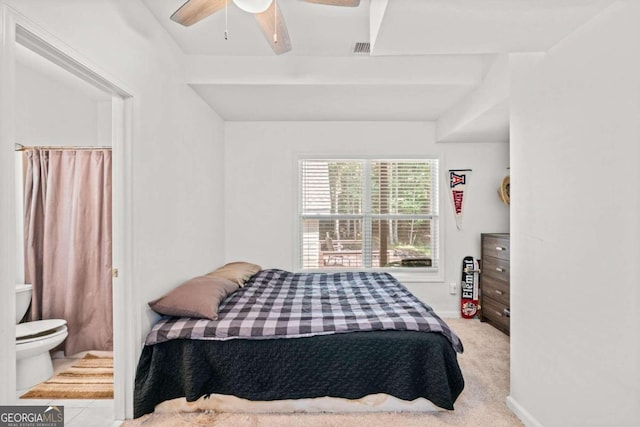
38 328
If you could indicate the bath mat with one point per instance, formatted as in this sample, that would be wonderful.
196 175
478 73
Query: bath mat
88 378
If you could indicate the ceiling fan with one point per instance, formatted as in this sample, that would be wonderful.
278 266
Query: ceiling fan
267 14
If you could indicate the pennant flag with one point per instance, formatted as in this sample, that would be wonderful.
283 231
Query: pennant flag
458 183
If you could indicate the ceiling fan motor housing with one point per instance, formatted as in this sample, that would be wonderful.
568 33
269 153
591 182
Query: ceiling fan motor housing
253 6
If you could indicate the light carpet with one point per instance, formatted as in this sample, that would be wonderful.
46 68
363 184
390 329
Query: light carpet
89 378
485 367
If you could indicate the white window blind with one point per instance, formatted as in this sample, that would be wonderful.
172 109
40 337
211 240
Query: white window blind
368 213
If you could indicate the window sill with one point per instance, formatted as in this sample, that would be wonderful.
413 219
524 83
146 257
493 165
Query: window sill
405 275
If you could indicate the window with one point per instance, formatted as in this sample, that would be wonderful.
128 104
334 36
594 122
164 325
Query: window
368 213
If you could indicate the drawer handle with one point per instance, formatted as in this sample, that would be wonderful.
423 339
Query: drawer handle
498 313
498 292
500 248
500 269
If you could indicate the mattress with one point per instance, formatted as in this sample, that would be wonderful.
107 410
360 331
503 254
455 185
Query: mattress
290 336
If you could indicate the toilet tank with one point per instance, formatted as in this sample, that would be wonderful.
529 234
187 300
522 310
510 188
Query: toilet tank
23 299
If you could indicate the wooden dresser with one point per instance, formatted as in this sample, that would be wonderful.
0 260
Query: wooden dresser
494 280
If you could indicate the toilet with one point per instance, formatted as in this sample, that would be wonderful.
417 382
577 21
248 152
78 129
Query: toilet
33 342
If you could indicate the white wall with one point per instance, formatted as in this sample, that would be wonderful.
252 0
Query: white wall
260 184
575 147
19 217
178 217
103 128
50 113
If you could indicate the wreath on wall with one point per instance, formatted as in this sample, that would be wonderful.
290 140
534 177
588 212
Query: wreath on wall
503 191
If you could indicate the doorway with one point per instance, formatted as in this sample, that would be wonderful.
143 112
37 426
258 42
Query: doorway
19 34
63 152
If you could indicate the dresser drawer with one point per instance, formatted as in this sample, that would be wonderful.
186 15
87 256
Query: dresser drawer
496 268
494 312
495 246
496 289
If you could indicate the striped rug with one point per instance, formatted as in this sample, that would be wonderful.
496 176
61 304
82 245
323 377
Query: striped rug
89 378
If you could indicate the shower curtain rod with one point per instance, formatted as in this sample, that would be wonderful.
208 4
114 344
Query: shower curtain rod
20 147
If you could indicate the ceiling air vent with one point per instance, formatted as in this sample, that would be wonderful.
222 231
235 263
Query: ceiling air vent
362 47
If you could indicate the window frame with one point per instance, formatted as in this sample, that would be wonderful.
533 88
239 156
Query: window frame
404 274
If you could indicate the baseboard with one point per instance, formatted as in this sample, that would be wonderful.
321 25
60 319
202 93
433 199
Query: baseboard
449 314
522 413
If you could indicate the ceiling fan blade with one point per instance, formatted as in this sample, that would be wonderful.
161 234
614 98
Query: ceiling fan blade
195 10
274 28
348 3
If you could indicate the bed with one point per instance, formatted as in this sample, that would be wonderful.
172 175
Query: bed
290 335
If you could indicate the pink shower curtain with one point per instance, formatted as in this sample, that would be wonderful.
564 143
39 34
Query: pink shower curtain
68 243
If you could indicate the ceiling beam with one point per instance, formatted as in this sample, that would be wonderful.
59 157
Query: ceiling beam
365 70
377 9
483 115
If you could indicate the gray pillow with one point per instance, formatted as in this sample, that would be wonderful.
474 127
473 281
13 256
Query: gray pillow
197 297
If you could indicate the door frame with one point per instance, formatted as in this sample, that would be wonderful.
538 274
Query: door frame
15 28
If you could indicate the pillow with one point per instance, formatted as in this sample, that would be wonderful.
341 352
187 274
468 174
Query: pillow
238 272
197 297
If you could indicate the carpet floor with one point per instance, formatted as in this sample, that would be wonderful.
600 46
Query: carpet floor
89 378
485 367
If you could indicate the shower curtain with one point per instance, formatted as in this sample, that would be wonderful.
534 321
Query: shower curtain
68 243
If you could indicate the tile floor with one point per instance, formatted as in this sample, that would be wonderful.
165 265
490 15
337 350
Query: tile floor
78 412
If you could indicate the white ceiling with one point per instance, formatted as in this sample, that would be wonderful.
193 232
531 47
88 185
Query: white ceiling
321 79
313 102
417 27
315 30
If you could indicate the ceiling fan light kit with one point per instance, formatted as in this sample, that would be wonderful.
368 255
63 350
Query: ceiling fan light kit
268 16
253 6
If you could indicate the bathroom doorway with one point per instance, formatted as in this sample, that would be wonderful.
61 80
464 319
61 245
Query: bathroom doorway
113 127
63 187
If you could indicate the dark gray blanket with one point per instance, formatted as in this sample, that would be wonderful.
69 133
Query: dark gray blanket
404 364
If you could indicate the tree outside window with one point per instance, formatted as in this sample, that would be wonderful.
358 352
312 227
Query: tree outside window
366 213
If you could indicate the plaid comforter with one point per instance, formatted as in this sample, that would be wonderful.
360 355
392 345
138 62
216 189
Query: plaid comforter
281 304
